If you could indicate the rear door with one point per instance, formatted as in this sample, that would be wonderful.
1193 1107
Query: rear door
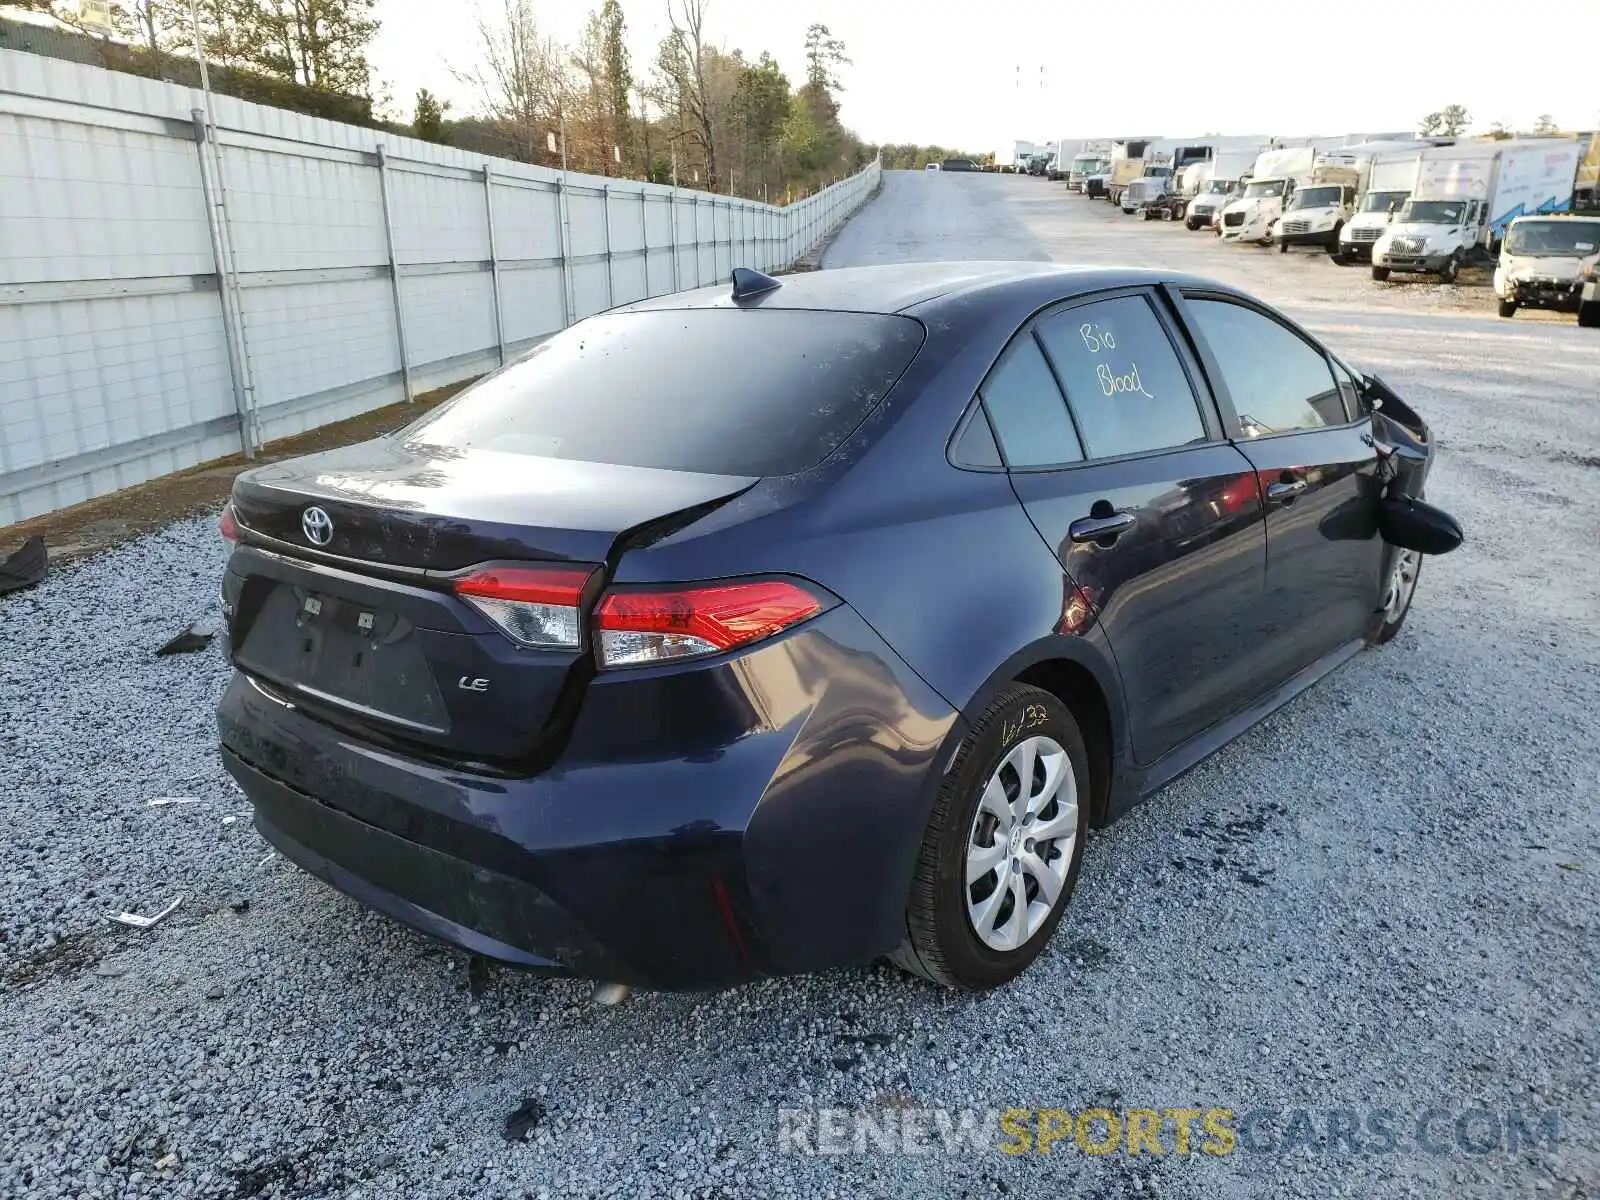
1125 473
1302 428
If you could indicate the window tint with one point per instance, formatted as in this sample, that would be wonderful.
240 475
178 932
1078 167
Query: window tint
976 446
724 391
1123 379
1277 380
1026 408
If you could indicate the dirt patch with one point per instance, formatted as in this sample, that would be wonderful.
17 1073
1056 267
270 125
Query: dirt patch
72 954
98 524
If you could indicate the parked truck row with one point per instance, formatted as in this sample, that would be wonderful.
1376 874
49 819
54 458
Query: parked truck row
1398 203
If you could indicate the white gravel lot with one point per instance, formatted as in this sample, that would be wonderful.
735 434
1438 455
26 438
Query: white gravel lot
1388 896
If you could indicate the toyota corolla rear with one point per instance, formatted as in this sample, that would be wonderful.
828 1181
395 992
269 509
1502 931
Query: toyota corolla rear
447 704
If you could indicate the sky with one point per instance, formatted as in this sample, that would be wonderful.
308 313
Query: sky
978 75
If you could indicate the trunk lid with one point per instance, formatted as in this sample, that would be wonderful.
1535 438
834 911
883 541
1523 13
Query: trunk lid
353 614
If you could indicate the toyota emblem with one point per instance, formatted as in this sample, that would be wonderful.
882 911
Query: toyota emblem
317 525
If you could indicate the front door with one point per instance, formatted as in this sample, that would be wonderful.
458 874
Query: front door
1149 511
1312 451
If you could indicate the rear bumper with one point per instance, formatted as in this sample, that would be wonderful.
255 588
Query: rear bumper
704 826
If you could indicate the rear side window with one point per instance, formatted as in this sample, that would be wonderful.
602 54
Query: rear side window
1124 380
1025 405
1278 381
719 391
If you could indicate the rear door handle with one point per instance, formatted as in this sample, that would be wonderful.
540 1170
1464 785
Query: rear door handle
1095 529
1285 491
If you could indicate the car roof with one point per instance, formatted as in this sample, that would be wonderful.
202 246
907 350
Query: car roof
923 286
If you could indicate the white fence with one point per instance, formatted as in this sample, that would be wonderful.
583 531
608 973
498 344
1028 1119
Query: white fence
169 297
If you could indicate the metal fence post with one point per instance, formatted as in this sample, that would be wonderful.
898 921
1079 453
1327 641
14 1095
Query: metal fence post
672 212
605 216
644 235
569 297
696 199
394 273
494 264
232 325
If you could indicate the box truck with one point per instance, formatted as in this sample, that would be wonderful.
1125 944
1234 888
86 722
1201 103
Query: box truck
1549 262
1586 186
1390 182
1251 215
1466 196
1316 214
1227 167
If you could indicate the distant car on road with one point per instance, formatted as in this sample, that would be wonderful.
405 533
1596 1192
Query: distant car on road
959 164
932 167
730 635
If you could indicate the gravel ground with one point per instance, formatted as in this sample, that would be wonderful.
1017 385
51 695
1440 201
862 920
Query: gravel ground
1384 897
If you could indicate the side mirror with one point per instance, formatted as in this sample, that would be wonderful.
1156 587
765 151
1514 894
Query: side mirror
1415 525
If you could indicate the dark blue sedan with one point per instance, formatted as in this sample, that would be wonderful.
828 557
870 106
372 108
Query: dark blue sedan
789 625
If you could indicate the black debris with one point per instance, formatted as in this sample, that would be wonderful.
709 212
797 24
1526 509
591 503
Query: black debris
191 639
24 568
524 1119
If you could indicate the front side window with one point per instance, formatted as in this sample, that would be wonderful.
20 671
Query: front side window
1279 382
1123 379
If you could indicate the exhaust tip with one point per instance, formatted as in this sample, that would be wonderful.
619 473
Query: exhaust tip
609 995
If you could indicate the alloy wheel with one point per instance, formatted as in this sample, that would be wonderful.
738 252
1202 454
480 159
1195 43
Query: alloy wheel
1402 583
1021 843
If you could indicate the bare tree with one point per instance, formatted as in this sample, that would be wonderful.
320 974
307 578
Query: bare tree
522 78
684 69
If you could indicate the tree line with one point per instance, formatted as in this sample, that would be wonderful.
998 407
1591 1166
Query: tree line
697 113
908 157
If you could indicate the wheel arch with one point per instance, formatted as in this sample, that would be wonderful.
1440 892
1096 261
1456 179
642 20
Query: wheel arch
1082 675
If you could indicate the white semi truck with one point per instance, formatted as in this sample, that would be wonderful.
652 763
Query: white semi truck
1014 159
1093 158
1390 182
1250 216
1321 205
1466 196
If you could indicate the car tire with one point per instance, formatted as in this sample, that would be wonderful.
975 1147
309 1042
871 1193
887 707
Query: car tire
1507 308
1589 316
1191 226
1402 569
1283 246
1451 268
981 790
1380 274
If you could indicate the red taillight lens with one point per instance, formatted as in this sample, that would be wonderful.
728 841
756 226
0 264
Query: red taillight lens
637 628
227 526
533 605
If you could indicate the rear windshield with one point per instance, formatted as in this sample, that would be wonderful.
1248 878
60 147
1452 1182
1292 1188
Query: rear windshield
720 391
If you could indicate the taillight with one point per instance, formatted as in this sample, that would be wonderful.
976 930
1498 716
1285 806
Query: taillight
669 624
535 606
227 526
